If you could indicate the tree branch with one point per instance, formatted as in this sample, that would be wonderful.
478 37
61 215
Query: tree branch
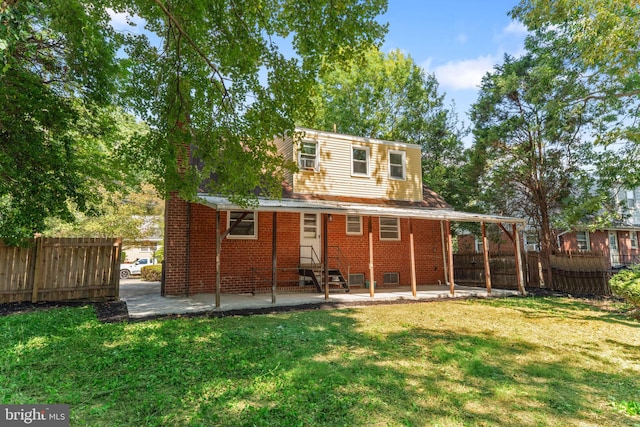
210 64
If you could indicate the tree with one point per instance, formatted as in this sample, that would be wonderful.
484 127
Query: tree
221 86
137 214
388 96
531 156
598 40
205 75
57 124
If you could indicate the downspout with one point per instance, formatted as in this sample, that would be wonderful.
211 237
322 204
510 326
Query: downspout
188 248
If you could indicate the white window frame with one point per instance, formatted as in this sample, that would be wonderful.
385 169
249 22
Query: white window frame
633 237
586 239
307 159
367 150
403 154
388 228
243 236
347 223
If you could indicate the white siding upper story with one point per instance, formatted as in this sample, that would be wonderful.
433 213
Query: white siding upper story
629 202
345 165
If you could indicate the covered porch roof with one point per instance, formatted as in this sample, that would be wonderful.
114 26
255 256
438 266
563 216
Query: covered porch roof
350 208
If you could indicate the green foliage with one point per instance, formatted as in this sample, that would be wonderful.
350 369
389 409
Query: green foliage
216 82
151 273
159 254
136 214
388 96
598 42
626 284
220 84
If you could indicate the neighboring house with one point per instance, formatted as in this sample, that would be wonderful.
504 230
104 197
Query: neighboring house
618 242
357 205
469 243
149 242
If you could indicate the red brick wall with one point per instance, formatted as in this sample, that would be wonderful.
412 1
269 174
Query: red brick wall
175 252
240 256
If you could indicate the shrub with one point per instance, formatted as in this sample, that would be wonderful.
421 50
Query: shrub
626 284
152 273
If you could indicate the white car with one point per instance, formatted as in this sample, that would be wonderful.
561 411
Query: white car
127 270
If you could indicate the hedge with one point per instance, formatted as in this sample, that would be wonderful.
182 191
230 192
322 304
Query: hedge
626 284
152 273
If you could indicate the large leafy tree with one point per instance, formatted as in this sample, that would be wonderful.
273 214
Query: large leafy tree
57 125
531 155
205 75
220 84
599 42
389 96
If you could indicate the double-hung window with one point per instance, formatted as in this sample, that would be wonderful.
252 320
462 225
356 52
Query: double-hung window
308 156
354 225
389 228
397 165
247 228
633 236
360 161
582 238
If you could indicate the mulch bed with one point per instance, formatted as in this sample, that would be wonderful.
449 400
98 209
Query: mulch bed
107 312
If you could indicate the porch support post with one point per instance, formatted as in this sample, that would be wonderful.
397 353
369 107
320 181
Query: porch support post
519 272
444 253
274 257
413 260
218 250
485 250
450 257
325 253
372 281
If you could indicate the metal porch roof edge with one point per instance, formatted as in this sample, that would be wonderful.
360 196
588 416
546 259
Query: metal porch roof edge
323 206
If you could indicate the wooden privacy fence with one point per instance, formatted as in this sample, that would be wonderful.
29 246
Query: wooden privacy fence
60 269
468 269
581 274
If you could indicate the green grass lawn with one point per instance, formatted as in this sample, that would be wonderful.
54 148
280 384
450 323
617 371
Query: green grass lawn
515 362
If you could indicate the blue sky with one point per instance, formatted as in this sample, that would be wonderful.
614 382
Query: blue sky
457 40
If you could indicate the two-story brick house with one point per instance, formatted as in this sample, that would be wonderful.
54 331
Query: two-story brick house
357 206
619 242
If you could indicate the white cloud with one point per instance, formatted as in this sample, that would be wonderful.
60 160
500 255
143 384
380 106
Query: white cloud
465 73
516 28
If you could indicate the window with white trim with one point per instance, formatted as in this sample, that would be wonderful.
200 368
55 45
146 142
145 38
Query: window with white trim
631 199
247 228
582 238
354 225
633 236
389 228
397 165
360 161
308 156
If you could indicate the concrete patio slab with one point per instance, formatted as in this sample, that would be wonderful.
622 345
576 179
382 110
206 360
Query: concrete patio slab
143 299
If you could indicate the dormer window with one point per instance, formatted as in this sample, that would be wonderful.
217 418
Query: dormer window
397 165
308 156
360 161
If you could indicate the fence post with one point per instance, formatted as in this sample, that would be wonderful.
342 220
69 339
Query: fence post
38 268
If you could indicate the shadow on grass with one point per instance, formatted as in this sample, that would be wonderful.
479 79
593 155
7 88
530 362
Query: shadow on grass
311 368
